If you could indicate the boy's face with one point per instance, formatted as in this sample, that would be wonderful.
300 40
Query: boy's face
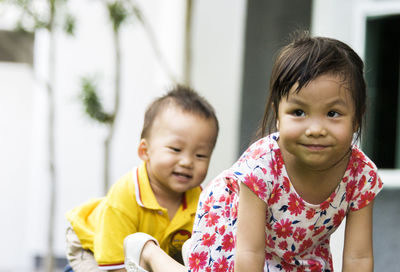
178 150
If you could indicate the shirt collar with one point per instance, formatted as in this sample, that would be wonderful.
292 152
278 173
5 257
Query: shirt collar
146 198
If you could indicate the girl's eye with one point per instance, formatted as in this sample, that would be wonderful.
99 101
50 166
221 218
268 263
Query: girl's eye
333 114
298 113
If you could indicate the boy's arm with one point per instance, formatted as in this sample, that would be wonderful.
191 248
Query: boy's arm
250 250
358 251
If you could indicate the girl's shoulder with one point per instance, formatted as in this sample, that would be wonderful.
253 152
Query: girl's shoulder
362 180
262 149
359 161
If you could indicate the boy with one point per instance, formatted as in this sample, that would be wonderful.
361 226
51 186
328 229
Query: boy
160 196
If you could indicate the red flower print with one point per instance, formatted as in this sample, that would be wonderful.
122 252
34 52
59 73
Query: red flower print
356 163
362 183
283 245
257 153
296 204
231 266
310 213
314 266
286 184
208 269
338 218
256 185
197 261
300 269
325 205
208 204
283 228
260 142
228 242
208 240
221 265
287 267
288 256
322 252
269 241
372 174
299 234
276 168
350 190
234 210
211 218
317 231
366 198
275 195
222 229
232 184
305 245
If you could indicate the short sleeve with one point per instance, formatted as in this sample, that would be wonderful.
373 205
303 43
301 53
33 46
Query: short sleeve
363 183
113 226
258 167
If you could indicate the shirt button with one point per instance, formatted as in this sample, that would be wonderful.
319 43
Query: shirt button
160 212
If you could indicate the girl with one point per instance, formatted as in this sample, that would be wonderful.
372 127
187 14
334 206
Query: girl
297 184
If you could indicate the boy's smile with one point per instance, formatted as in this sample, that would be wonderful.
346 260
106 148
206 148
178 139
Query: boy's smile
316 124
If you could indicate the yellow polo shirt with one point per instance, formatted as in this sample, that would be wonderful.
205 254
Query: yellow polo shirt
130 206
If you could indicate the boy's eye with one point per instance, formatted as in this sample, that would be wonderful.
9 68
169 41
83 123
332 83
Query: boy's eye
174 149
201 156
333 114
298 113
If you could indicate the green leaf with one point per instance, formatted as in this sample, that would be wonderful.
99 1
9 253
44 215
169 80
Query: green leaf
92 102
117 13
69 24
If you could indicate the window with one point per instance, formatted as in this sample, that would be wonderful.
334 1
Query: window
381 140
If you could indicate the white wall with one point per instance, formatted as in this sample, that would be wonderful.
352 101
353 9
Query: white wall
217 58
16 131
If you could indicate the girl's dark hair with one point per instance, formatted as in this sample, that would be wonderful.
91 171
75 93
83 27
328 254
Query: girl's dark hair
182 97
305 59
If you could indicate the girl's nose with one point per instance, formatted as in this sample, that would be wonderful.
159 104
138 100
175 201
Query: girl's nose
316 129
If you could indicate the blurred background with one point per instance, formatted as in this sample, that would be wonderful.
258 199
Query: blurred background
63 59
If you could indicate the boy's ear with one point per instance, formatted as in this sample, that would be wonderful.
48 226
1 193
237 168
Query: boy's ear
143 150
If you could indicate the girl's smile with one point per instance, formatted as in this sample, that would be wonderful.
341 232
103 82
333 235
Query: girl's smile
316 123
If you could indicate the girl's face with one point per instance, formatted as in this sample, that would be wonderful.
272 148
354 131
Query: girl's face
316 124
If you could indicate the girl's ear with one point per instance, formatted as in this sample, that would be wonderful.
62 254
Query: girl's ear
143 150
277 124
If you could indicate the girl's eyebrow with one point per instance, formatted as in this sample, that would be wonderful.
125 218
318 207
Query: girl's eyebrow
338 101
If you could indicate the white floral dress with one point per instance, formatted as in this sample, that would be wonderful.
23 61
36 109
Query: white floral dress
297 233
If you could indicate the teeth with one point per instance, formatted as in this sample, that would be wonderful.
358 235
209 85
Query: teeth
183 175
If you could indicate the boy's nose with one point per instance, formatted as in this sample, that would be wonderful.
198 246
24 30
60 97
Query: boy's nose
186 161
316 129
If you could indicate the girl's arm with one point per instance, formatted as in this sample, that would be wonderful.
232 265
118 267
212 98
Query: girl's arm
154 259
358 251
250 249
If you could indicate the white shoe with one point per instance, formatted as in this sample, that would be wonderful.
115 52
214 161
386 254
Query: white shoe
133 245
185 252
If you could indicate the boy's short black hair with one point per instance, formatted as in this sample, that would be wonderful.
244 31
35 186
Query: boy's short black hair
182 97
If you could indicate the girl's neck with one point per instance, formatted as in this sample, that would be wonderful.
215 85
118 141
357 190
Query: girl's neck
315 185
